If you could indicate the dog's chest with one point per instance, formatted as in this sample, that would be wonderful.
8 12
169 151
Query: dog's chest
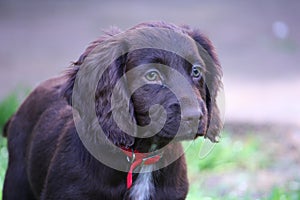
143 187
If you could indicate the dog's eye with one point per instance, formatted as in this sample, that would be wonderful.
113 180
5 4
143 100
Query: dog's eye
152 76
196 71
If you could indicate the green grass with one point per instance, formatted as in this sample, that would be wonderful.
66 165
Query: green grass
228 154
284 194
276 193
3 163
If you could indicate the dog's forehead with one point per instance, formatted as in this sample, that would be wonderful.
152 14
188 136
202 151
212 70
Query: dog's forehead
145 60
169 40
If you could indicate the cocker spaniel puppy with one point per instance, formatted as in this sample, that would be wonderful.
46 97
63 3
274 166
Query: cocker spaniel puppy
110 127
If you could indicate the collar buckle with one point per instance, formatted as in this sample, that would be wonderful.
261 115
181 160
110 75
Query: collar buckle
131 159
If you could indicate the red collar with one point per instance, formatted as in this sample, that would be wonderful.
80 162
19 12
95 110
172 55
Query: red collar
138 159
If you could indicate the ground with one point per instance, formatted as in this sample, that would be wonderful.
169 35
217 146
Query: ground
273 162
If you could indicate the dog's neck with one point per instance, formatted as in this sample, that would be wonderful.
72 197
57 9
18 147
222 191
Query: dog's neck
140 160
143 187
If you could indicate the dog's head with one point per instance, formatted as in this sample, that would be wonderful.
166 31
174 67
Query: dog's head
160 77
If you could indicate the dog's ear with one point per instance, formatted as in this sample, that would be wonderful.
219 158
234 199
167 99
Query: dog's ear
113 84
212 80
110 58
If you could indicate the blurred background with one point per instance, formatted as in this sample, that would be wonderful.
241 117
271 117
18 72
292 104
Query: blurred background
258 44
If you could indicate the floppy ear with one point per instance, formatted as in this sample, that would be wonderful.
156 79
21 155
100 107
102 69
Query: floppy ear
107 85
110 58
212 80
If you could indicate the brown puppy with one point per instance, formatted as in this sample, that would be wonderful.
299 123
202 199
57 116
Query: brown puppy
48 155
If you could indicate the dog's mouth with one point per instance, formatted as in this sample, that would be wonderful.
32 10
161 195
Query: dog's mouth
183 137
186 130
144 145
171 132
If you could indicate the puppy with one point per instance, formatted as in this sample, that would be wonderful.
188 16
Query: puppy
110 127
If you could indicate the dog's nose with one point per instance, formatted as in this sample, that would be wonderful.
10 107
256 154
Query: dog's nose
190 110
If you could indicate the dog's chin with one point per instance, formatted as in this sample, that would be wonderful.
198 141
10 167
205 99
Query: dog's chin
163 139
171 133
187 131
